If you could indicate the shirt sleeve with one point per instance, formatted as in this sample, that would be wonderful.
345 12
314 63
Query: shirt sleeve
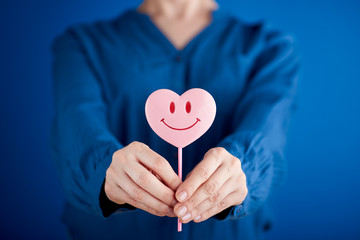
81 142
260 121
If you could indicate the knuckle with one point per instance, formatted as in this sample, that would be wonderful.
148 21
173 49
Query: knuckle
138 145
133 202
152 211
210 187
238 179
162 209
206 214
143 145
217 154
131 147
215 198
221 150
159 163
143 179
241 200
158 213
192 203
210 152
234 164
203 172
109 171
109 192
118 155
244 194
175 182
244 177
111 197
223 204
195 212
240 197
218 151
135 144
137 194
167 197
107 187
241 179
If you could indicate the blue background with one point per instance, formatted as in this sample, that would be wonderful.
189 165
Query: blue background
321 196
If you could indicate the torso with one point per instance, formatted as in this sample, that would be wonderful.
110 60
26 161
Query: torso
131 59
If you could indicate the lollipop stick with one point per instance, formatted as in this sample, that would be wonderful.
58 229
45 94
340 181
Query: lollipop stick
180 176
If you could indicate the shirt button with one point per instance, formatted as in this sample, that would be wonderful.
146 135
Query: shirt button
267 226
178 58
238 209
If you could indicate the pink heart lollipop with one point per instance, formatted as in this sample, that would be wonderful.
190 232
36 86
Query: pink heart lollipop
180 120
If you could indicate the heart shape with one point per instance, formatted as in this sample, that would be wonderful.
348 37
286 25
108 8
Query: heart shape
180 120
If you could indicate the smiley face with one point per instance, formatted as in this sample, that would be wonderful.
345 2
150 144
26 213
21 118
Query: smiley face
172 110
180 120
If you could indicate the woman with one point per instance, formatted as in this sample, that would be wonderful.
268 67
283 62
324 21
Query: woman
118 176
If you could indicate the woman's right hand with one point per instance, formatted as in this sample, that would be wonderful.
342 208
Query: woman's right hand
142 178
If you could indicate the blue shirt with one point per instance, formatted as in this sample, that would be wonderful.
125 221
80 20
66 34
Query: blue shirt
103 74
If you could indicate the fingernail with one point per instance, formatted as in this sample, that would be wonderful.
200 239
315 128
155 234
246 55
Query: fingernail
186 217
174 202
197 218
182 196
182 211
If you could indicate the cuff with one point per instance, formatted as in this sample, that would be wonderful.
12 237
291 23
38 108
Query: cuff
233 212
248 148
98 176
108 207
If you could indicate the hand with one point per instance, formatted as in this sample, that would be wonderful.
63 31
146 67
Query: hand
142 178
215 184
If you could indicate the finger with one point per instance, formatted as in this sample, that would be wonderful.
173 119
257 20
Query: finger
140 195
198 176
230 189
151 184
188 175
230 200
160 166
210 202
155 174
119 193
209 189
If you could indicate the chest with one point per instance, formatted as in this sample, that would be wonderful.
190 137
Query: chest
130 72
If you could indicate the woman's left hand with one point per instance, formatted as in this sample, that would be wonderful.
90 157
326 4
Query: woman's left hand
215 184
